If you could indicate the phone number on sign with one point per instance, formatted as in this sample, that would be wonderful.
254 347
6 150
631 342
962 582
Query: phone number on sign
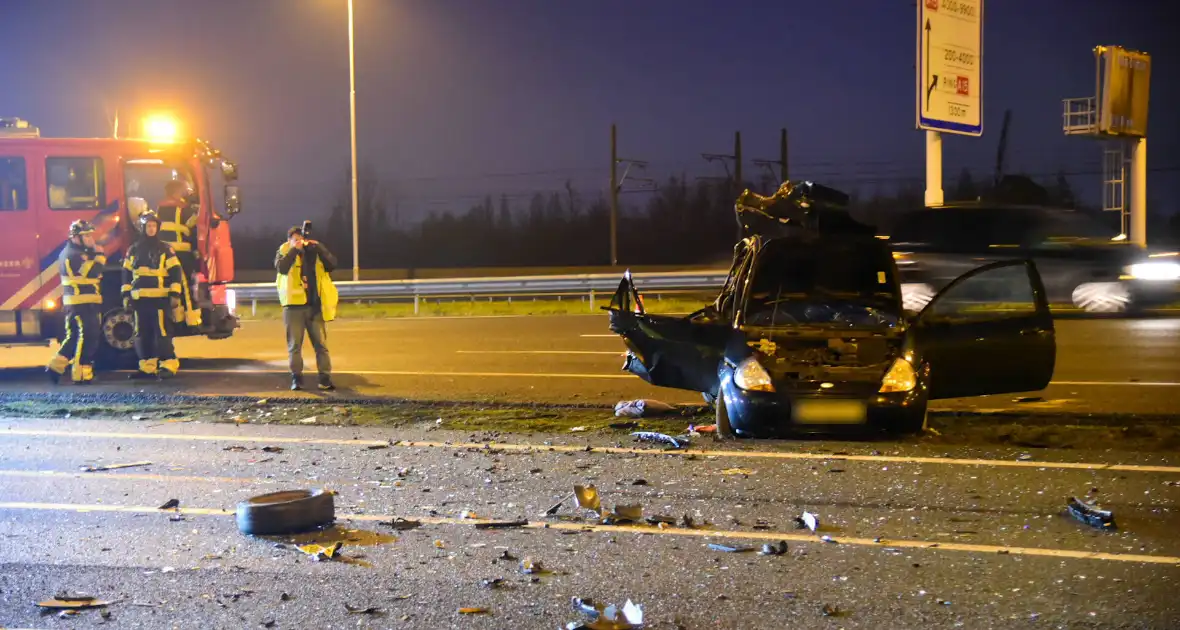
960 8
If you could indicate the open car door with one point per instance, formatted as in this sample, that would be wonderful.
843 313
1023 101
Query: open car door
664 350
988 332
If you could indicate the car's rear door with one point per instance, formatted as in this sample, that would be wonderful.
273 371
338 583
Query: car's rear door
988 332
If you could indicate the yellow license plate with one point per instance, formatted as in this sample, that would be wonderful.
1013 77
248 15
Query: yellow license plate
829 412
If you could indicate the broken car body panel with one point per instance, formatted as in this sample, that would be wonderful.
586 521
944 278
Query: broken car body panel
808 331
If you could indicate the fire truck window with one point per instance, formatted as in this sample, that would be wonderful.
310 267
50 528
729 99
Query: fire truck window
75 183
14 189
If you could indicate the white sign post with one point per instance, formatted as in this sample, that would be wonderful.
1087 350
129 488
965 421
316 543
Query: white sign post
949 78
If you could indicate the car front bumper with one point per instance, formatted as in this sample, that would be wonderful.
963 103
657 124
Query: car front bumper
776 414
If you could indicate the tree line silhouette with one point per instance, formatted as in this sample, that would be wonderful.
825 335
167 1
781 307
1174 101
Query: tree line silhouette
682 222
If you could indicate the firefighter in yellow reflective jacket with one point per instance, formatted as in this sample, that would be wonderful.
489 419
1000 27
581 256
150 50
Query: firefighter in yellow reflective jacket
178 228
152 286
81 267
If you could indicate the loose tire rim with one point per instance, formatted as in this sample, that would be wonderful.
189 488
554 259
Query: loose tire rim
118 329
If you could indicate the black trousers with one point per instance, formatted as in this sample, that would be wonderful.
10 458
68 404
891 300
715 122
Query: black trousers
153 335
83 326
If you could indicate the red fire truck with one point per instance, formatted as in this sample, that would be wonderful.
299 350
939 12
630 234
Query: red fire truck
46 183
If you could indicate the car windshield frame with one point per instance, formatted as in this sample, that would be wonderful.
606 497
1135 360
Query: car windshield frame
887 301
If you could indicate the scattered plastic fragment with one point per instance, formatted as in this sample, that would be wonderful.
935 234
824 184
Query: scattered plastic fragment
762 524
728 549
652 436
737 471
831 611
606 617
376 447
72 602
401 524
624 514
467 514
170 504
642 408
472 610
320 553
114 466
501 524
1028 399
557 506
272 449
528 566
440 544
639 482
704 428
587 497
829 539
237 448
577 429
491 582
660 520
362 610
771 549
1024 457
311 420
1090 514
807 520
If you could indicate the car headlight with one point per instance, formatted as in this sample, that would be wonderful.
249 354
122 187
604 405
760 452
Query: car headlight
1155 271
900 377
751 376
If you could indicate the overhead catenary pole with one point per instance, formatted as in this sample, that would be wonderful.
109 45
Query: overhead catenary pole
614 197
356 261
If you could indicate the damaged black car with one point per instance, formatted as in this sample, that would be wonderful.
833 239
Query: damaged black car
808 333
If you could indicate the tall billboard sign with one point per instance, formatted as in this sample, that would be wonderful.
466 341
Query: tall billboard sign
950 66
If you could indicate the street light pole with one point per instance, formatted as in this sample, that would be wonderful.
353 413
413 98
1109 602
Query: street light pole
356 261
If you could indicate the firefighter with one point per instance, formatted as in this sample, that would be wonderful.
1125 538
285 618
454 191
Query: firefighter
178 228
81 267
152 288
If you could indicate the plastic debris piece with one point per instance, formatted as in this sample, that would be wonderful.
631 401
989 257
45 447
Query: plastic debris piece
272 449
114 466
320 553
311 420
687 522
587 497
557 506
502 524
728 549
625 514
577 429
642 408
377 447
170 504
491 582
440 544
737 471
401 524
1090 514
236 449
829 539
831 611
467 514
610 617
652 436
771 549
657 520
72 602
528 566
473 610
808 521
639 482
362 610
762 524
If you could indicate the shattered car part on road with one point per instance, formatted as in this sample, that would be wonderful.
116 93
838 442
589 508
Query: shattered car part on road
808 333
1090 514
286 512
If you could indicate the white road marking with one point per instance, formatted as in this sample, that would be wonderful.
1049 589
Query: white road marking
1117 383
422 373
881 543
541 448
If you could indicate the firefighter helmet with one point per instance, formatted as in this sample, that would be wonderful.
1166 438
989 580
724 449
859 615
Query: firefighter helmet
80 227
148 216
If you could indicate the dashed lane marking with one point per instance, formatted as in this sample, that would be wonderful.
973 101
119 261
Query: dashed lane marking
881 543
541 448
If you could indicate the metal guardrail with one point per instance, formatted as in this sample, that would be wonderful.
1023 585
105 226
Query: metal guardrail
483 287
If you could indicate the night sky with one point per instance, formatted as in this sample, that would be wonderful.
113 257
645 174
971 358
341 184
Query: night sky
462 98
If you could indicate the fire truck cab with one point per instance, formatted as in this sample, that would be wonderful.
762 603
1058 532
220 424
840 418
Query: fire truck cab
47 183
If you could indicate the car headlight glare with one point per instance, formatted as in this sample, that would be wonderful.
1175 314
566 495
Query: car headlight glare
1155 271
751 376
900 377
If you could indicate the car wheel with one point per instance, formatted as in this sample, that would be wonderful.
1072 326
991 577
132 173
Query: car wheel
1102 297
724 429
286 512
916 295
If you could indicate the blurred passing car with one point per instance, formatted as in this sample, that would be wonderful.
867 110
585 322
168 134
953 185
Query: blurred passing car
1082 265
808 333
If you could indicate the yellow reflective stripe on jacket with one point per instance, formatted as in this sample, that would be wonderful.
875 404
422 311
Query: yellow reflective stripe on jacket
148 272
80 282
179 228
161 292
83 298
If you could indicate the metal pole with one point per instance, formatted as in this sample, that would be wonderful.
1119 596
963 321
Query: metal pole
737 172
933 168
614 197
782 155
1139 192
356 260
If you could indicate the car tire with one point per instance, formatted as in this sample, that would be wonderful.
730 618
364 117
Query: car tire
286 512
1101 297
724 428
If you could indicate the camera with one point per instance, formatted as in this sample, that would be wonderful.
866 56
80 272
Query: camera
306 229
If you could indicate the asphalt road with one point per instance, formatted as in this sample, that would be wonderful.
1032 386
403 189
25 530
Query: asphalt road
917 542
1103 366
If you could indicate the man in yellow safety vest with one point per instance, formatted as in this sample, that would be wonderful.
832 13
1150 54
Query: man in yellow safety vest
309 301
